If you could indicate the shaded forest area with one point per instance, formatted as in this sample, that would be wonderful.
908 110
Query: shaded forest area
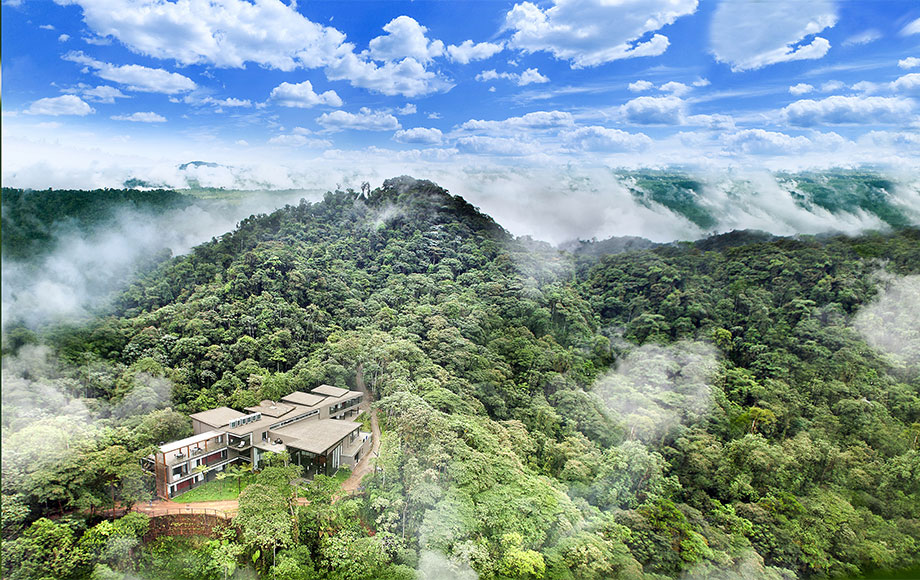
31 219
716 409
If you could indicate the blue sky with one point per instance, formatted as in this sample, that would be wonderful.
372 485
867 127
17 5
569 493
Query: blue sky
316 93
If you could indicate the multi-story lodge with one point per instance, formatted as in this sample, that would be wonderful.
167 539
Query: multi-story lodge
313 428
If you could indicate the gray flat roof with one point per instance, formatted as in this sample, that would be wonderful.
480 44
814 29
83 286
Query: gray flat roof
176 445
271 408
218 417
349 395
315 436
329 391
302 398
269 446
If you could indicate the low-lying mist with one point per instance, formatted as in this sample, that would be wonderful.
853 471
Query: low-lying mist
552 204
85 266
663 207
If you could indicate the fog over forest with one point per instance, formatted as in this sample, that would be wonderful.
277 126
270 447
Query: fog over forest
87 264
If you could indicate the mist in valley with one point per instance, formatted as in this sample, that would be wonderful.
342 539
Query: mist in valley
87 265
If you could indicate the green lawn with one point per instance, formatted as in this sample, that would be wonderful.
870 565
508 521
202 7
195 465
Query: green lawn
215 490
340 476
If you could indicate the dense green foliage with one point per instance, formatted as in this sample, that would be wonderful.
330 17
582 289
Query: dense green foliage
699 410
32 218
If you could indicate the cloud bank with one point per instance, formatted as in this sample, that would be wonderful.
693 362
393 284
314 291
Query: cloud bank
86 268
891 322
655 388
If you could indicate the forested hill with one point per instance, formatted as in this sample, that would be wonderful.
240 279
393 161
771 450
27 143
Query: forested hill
743 406
404 227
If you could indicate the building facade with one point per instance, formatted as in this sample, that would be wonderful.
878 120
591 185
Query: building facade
315 428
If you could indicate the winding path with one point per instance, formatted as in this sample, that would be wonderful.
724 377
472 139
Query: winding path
350 485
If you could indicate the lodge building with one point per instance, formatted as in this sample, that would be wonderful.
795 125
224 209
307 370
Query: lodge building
315 428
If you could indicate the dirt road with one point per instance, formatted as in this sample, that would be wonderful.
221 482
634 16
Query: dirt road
160 507
365 465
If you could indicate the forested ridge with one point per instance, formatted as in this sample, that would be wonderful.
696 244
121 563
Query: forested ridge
708 409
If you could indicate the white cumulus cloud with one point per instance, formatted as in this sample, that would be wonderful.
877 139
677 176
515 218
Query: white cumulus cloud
801 89
675 88
225 33
430 136
407 77
147 117
593 32
536 120
468 51
302 95
270 33
363 120
909 83
405 38
839 110
909 62
605 139
63 105
640 86
759 141
654 111
749 34
866 87
136 77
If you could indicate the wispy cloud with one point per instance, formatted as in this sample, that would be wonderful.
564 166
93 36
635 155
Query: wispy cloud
748 35
571 31
136 77
528 77
141 117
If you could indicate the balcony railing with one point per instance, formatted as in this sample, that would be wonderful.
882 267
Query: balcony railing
174 458
216 460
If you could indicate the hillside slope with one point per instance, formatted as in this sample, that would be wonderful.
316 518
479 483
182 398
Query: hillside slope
686 410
